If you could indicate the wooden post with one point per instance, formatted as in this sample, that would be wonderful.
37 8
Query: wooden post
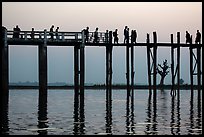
148 65
4 64
108 72
76 70
199 69
178 60
42 50
191 67
199 76
42 102
4 83
155 65
128 72
132 74
109 48
172 63
82 71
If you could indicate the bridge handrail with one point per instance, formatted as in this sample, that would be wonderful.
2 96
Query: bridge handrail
62 36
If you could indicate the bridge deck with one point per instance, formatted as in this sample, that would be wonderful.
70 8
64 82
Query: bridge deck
37 42
76 38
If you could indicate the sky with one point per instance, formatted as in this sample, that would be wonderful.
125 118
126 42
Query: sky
163 17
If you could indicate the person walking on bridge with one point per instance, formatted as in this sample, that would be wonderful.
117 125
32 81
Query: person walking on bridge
56 33
96 36
198 37
86 33
115 35
51 32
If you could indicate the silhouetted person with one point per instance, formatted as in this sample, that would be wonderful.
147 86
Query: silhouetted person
16 32
32 33
56 33
115 35
51 32
86 33
198 37
133 37
106 36
188 38
127 36
125 32
96 36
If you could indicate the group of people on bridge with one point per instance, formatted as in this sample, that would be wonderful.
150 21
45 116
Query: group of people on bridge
189 38
108 35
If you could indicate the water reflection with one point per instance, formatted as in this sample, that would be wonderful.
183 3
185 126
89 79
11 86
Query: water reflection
108 117
130 124
78 115
42 113
195 120
151 127
175 114
4 115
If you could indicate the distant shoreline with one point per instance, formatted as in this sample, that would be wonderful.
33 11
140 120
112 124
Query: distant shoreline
102 87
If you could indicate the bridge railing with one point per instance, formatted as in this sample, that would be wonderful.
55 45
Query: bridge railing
37 35
59 36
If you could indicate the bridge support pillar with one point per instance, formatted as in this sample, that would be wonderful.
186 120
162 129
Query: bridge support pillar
79 73
42 101
195 61
152 64
130 71
109 49
4 82
177 71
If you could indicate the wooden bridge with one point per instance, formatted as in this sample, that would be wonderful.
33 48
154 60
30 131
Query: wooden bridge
77 40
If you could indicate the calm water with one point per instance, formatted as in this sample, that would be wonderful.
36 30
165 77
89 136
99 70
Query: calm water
169 116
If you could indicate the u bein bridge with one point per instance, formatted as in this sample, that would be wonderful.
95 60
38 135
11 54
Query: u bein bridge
77 40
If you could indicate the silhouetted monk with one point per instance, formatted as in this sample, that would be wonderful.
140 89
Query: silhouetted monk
115 35
16 32
106 36
198 37
51 32
125 33
56 33
86 33
32 33
96 36
188 37
127 36
133 36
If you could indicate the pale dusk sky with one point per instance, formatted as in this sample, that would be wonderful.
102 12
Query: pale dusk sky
163 17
